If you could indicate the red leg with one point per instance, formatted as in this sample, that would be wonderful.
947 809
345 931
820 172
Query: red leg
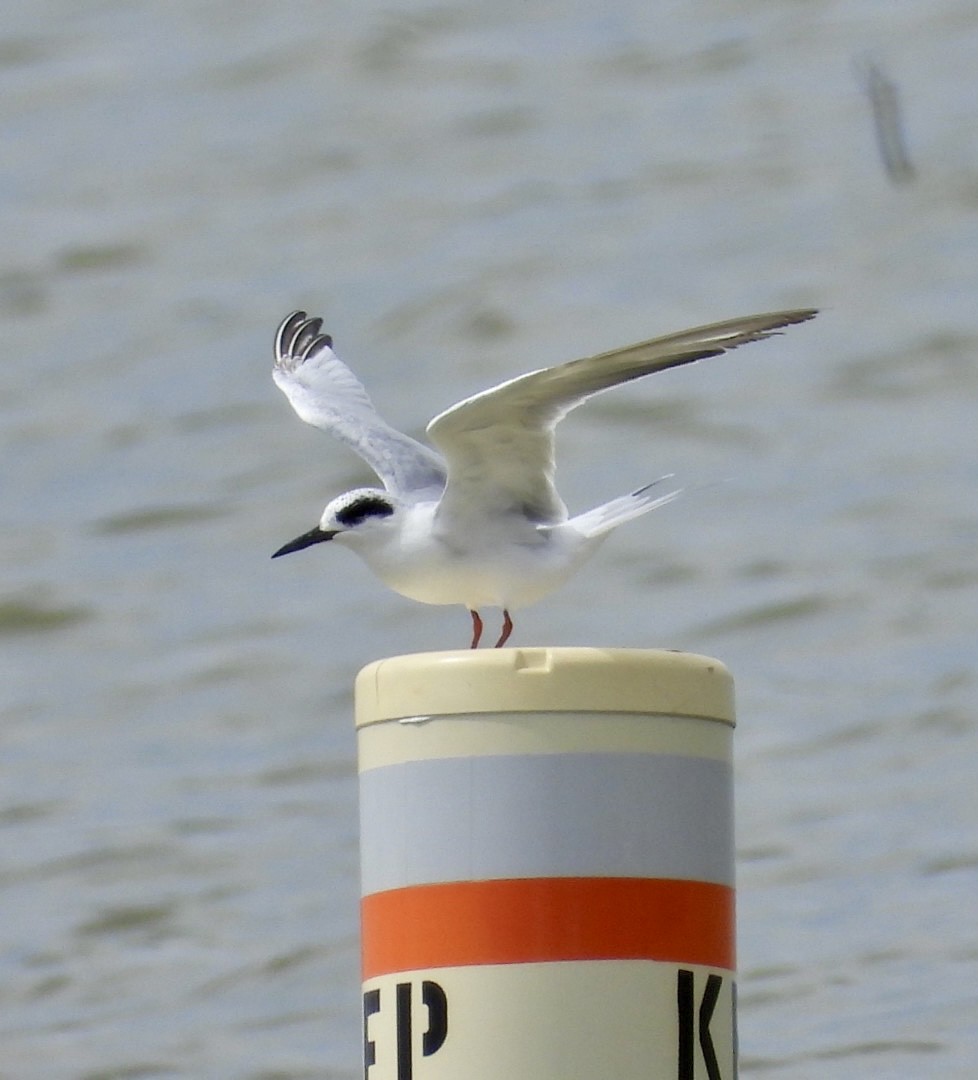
476 629
507 630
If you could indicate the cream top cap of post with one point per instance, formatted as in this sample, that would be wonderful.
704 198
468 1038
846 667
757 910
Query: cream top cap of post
544 680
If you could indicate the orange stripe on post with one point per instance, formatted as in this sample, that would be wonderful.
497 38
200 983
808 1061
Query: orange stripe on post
539 920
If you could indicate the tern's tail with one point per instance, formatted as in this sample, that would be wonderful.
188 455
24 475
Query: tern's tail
602 519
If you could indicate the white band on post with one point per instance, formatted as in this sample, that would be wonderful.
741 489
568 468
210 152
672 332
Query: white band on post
547 865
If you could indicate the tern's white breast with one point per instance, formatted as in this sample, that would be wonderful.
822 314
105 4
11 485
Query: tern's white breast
506 563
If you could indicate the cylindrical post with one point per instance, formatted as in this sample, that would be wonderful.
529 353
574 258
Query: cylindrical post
547 865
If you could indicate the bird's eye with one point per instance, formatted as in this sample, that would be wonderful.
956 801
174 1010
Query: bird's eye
361 509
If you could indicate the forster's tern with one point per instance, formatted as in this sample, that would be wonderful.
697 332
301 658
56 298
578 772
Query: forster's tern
481 523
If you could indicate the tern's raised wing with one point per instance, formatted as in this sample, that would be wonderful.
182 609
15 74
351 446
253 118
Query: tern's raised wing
499 444
325 393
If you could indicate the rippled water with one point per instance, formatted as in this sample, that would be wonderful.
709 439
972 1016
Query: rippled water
466 191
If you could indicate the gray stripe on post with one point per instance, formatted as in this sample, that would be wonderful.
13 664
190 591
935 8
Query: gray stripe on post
546 815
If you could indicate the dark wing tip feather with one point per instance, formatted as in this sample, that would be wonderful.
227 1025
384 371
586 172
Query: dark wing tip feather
286 332
305 334
298 338
769 326
774 329
791 318
312 347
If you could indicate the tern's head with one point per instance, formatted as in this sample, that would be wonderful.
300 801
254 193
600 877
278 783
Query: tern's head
355 515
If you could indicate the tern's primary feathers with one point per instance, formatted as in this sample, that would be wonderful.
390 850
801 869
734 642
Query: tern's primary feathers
481 522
